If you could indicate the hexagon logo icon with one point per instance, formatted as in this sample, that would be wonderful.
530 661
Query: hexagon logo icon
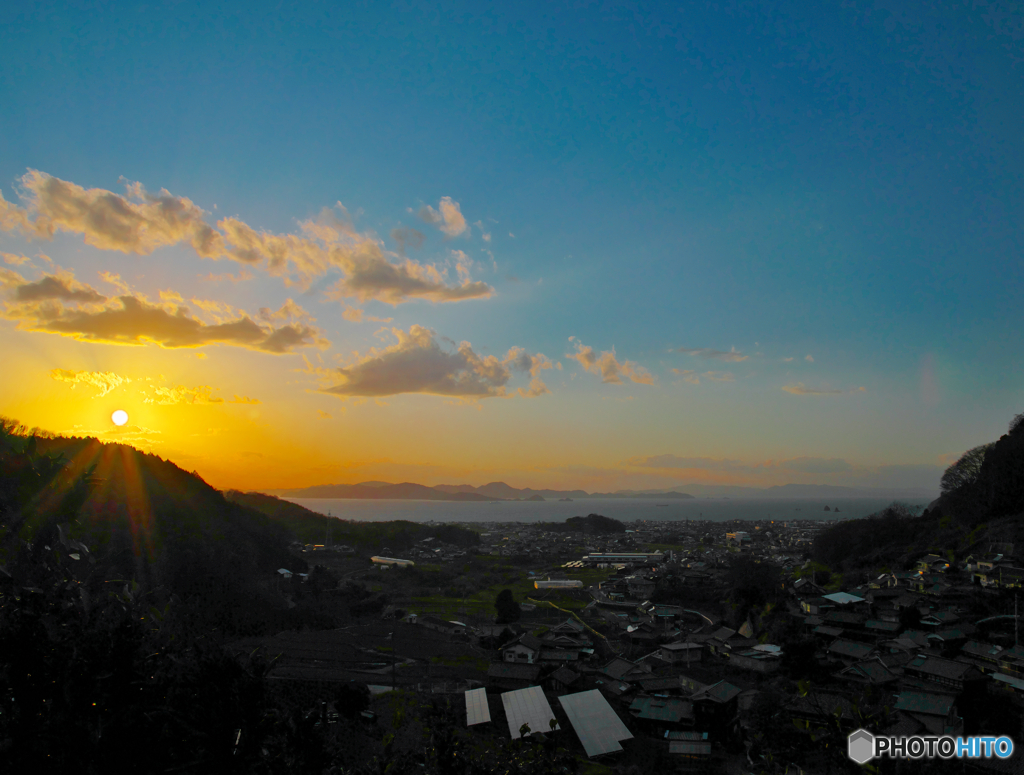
861 746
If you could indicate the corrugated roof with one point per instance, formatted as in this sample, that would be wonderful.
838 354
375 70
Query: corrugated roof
598 727
477 710
527 706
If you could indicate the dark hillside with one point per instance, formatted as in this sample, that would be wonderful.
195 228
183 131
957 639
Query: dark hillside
174 534
984 509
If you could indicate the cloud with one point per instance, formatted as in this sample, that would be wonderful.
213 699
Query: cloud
688 375
703 352
12 259
809 358
674 461
104 381
132 319
483 232
63 287
407 237
448 217
608 367
243 400
141 222
242 276
720 376
323 415
182 395
816 465
787 360
418 364
800 389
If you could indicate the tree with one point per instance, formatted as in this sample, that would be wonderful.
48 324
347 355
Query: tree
965 471
508 609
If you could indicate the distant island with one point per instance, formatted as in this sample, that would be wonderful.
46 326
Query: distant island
500 491
495 491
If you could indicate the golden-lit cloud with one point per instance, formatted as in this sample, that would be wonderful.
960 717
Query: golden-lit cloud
164 396
800 389
417 363
237 399
13 259
132 319
62 286
447 217
610 369
104 381
704 352
141 222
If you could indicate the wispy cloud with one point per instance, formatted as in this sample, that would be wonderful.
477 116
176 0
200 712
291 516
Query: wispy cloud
417 363
448 217
732 356
407 238
610 369
675 461
688 375
816 465
720 376
809 358
800 389
104 381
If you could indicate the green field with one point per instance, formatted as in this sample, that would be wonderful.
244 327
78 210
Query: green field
479 602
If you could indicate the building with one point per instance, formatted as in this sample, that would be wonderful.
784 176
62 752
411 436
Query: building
391 562
558 584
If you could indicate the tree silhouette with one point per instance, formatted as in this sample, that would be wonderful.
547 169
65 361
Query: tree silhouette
508 609
965 471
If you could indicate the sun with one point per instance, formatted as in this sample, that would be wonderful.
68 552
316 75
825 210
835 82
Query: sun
120 417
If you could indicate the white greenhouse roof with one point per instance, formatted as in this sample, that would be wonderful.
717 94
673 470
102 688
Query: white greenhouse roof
597 725
527 706
477 710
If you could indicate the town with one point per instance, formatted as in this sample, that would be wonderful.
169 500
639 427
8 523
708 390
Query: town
693 646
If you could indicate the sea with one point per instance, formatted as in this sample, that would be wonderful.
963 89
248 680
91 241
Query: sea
625 509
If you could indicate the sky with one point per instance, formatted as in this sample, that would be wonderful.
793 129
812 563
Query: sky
569 245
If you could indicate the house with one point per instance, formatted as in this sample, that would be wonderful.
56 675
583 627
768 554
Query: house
936 712
524 649
951 674
757 660
663 712
620 669
440 625
681 653
503 675
716 705
564 680
848 651
872 671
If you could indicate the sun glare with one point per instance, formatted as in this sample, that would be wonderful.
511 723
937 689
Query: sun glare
120 417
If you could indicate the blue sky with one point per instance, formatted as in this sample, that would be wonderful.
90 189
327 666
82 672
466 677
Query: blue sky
710 188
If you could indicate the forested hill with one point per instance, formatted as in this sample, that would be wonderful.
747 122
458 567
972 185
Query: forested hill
982 503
